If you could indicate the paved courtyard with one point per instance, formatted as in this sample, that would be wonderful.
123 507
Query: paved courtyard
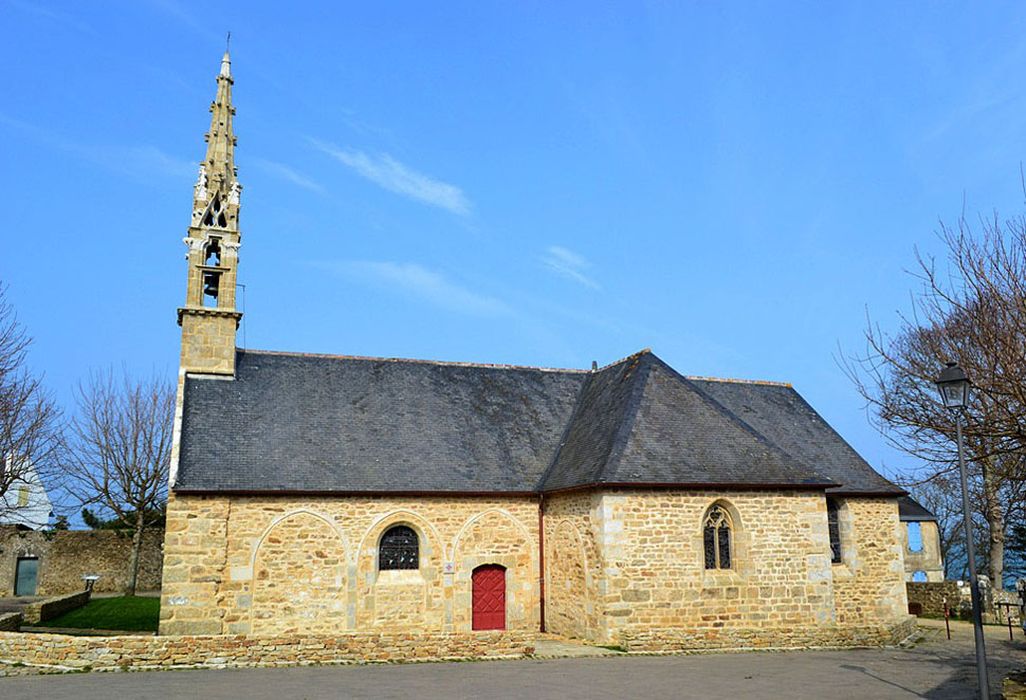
935 668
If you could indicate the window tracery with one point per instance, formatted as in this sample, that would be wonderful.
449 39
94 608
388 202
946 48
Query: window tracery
717 539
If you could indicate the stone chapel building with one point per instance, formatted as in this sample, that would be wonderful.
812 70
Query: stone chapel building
627 504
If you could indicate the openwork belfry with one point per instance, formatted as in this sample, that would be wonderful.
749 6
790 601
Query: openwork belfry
627 504
717 539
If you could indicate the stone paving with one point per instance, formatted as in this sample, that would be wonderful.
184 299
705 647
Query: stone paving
934 668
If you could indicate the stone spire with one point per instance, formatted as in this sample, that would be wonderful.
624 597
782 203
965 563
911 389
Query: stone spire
209 318
220 160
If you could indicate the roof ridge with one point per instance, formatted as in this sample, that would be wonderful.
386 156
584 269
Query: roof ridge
728 380
639 353
444 363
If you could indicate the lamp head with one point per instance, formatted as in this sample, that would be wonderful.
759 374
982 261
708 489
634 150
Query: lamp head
953 386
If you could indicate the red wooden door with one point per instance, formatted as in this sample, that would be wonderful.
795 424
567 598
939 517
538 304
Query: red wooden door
489 583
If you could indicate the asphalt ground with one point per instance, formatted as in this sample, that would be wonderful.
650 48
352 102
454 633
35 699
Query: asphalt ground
934 668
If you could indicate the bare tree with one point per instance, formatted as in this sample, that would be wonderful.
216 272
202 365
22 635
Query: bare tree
971 310
29 424
120 450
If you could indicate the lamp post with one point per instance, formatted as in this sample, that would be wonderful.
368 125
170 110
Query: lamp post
954 390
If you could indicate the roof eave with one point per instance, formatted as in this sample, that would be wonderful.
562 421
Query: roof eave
841 491
186 491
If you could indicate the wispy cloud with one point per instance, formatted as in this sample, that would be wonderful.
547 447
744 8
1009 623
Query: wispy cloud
569 264
417 281
52 14
387 172
286 173
141 162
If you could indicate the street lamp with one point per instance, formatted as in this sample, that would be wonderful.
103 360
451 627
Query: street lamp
954 390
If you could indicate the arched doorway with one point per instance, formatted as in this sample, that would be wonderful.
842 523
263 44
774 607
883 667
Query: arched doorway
489 597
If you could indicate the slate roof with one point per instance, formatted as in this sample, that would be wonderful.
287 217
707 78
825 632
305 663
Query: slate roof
316 423
910 510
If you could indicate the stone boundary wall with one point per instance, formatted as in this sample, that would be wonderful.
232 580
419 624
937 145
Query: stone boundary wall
50 608
66 555
678 640
1001 613
10 622
136 652
1014 686
932 595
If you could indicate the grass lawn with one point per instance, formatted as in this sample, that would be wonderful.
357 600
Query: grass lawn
124 613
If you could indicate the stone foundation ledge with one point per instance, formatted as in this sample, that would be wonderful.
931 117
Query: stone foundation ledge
65 652
674 641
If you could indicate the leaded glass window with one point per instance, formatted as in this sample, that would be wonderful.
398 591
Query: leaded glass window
399 549
835 531
716 537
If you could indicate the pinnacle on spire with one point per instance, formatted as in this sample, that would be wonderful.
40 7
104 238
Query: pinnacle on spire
220 160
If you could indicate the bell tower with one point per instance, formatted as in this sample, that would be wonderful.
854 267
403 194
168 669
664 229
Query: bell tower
209 319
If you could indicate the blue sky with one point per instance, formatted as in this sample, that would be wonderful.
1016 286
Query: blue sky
731 184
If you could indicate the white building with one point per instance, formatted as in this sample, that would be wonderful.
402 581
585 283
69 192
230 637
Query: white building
25 503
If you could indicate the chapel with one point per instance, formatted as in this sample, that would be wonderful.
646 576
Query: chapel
627 504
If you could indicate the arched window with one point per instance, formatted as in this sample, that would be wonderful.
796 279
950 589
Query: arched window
835 531
919 577
717 539
399 549
212 255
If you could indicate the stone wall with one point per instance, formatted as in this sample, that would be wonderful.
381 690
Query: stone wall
652 552
573 568
869 583
824 636
10 622
66 555
273 565
49 608
932 596
1001 612
142 652
620 565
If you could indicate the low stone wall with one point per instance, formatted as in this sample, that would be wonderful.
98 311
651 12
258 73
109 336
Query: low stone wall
674 640
1014 687
10 622
135 652
931 596
67 555
1001 612
54 607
